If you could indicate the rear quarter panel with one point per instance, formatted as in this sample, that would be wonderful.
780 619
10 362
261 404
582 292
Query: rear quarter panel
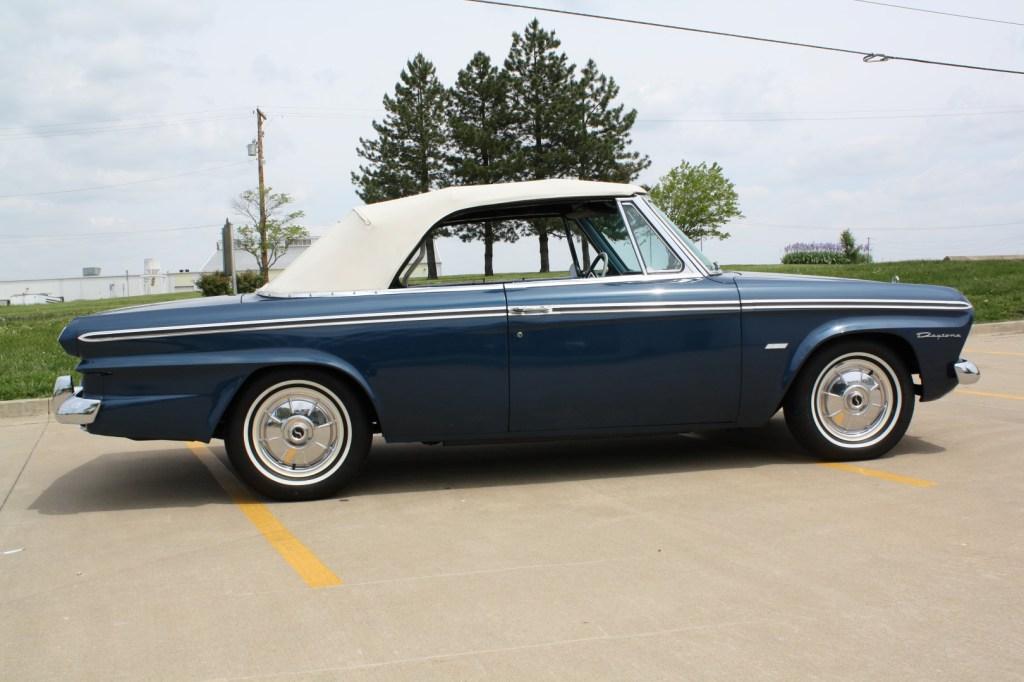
426 378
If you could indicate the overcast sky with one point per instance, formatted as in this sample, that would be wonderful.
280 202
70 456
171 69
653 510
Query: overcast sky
95 94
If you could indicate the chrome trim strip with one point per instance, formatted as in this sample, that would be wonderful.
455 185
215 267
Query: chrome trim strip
500 311
776 346
290 323
789 302
648 309
624 279
495 286
848 306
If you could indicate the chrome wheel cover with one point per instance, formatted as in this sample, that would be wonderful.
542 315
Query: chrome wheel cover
856 400
297 433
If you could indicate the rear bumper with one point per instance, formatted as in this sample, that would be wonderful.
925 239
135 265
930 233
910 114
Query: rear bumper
70 408
966 372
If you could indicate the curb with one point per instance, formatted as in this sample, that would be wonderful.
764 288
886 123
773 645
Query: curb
998 327
33 407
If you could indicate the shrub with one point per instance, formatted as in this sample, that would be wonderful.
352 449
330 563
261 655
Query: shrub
214 284
249 281
847 250
814 258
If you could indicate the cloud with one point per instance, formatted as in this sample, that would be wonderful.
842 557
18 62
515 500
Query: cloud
168 87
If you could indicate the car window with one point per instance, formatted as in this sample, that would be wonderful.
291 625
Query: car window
611 235
506 250
658 257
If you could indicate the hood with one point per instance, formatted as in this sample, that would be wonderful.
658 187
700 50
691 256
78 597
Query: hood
771 285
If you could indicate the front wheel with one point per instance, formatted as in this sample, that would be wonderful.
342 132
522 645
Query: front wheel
852 400
297 435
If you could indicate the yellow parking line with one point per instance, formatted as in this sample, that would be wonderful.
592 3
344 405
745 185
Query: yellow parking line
986 394
299 557
877 473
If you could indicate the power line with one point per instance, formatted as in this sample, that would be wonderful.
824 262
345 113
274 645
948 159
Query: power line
878 229
115 128
768 118
135 119
21 239
122 184
935 11
869 57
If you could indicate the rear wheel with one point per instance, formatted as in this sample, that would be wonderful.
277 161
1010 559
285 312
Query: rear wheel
298 435
852 400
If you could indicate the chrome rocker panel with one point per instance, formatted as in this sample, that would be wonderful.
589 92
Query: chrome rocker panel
966 372
66 405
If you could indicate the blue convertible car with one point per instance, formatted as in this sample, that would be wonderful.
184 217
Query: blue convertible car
385 325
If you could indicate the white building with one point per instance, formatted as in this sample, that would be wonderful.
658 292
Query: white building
246 261
93 285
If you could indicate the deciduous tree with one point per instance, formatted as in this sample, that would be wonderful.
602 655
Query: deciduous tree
282 228
699 199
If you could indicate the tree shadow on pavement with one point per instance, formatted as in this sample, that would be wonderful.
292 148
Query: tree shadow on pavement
150 479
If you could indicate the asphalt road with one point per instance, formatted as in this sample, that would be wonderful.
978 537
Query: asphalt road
725 556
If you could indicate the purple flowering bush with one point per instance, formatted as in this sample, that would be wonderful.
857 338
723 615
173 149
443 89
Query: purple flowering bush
847 250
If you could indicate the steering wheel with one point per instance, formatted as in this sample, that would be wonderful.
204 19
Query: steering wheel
592 271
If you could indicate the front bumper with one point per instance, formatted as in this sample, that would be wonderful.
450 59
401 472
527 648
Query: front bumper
966 372
70 408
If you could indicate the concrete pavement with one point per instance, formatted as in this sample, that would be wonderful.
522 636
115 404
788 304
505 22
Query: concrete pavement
725 555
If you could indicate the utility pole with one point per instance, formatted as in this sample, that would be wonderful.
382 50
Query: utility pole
264 260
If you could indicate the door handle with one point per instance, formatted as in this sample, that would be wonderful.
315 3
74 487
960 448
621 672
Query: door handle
531 310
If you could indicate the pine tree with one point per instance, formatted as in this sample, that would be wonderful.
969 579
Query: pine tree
481 144
541 102
603 133
408 155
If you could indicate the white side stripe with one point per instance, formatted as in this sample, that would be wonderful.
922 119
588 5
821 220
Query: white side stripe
617 307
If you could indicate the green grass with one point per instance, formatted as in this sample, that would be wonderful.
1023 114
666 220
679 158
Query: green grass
31 358
994 287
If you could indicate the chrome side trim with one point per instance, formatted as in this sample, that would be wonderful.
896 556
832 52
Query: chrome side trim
68 407
796 302
291 323
623 279
496 286
966 372
776 346
500 311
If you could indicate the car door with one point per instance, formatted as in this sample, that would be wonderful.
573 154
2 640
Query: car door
656 349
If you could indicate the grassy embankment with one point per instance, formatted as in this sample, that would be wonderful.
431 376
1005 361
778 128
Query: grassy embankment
30 358
995 287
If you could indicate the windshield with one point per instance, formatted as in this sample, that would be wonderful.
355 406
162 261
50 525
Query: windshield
708 263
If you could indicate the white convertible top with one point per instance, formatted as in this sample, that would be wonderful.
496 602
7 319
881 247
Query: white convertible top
365 249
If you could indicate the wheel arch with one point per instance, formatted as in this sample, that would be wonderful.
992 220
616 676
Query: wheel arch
811 346
337 368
